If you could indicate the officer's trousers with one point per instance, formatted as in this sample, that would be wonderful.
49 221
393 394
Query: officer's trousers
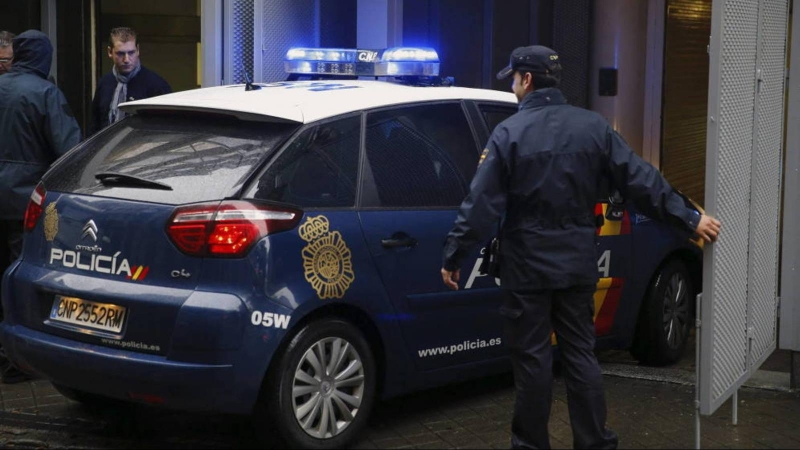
530 316
11 235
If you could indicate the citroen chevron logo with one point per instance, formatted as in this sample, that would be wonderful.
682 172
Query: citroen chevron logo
90 229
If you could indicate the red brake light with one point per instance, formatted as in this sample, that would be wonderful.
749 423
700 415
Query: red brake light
35 207
230 239
190 239
228 229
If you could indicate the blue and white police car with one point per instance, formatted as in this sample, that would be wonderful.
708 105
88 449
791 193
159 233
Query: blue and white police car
274 250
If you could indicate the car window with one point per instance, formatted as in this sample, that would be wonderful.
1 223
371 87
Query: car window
201 157
420 156
318 169
493 115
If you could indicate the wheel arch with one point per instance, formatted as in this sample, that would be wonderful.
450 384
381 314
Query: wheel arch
691 259
349 313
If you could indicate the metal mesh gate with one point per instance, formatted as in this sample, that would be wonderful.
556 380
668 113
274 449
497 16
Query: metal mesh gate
241 52
765 201
284 24
746 86
571 38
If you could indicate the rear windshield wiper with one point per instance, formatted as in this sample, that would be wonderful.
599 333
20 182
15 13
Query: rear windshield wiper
109 178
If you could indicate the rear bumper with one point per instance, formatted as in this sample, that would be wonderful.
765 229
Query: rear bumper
131 376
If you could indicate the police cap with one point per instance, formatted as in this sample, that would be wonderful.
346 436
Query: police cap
534 58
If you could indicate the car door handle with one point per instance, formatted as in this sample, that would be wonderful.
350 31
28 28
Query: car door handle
399 240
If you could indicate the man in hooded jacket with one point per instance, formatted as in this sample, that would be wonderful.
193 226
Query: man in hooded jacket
36 128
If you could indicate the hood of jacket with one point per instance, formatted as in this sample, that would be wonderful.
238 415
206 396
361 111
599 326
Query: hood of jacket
33 53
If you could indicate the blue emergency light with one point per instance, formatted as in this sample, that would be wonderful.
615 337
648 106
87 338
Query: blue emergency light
390 62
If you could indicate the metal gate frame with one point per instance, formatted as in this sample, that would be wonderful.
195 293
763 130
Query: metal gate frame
790 250
744 148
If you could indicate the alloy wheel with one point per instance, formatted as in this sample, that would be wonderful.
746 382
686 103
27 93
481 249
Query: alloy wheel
676 310
328 387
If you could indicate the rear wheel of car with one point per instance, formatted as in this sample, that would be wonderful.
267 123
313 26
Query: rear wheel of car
665 317
321 393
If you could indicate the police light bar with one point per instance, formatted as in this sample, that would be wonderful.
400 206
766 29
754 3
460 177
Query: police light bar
392 62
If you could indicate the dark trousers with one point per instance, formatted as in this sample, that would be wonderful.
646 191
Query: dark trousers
530 316
11 234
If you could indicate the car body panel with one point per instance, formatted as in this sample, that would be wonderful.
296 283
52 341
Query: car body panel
411 276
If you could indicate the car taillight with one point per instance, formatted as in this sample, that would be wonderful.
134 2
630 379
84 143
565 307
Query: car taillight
35 207
228 229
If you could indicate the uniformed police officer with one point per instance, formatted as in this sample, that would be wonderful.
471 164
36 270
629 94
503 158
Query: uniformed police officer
543 169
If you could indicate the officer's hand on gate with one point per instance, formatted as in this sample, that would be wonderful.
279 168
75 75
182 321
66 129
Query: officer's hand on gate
451 278
708 228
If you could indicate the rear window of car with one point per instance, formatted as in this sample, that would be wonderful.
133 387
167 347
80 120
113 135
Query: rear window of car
200 157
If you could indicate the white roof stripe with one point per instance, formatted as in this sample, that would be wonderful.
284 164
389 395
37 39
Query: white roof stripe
309 101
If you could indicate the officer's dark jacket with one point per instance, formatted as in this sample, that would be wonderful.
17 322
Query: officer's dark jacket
145 84
545 167
36 125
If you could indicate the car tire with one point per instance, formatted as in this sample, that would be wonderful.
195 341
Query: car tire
300 393
665 316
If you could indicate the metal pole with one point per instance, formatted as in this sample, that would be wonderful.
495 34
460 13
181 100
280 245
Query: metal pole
735 407
211 41
49 27
697 323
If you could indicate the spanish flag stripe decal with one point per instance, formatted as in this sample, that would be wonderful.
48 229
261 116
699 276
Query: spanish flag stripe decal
608 291
605 313
625 228
612 227
144 272
599 297
136 274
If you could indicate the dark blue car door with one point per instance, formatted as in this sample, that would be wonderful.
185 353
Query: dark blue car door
419 161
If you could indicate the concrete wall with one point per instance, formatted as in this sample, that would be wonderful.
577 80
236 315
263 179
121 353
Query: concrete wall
619 41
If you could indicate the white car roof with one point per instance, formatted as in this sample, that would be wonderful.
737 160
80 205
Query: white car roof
309 101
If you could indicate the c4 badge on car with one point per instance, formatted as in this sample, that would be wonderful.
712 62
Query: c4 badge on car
50 222
327 260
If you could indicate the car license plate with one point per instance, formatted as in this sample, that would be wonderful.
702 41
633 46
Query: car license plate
86 314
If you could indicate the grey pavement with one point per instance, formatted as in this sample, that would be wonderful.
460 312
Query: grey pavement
649 408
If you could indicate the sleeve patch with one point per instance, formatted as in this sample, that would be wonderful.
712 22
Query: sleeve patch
483 156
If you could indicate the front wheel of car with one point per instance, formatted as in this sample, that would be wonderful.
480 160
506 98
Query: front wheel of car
665 316
321 393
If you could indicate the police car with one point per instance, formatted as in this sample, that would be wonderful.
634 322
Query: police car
274 249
